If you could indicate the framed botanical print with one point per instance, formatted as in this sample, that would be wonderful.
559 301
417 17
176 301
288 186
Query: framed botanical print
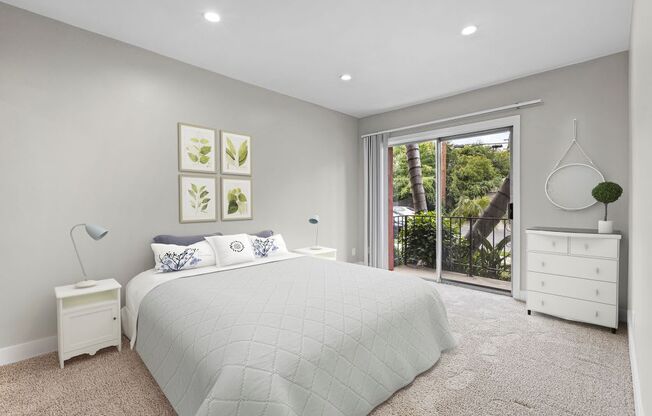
236 199
197 149
235 154
197 198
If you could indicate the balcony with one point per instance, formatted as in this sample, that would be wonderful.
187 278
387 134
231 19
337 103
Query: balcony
475 250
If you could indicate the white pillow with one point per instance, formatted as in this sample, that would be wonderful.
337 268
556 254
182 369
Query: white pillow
265 247
171 257
232 249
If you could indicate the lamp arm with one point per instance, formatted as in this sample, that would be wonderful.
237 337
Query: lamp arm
317 236
77 251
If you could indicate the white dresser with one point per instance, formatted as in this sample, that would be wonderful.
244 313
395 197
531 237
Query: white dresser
573 274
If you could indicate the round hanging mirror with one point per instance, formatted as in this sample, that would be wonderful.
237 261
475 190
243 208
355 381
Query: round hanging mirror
569 186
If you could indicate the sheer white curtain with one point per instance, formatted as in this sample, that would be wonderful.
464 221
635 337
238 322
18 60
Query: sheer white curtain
376 194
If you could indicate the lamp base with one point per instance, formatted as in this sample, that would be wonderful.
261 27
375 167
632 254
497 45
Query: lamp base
315 248
85 283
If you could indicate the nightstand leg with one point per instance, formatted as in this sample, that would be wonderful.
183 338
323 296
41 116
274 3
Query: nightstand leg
529 312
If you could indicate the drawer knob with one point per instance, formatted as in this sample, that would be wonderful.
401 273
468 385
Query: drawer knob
597 292
597 270
543 283
596 314
586 246
542 303
114 318
543 264
554 243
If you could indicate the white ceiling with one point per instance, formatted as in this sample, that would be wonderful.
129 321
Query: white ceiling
400 52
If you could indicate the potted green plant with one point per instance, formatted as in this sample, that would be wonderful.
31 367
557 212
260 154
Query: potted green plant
606 192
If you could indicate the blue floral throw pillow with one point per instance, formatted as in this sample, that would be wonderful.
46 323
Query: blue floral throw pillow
263 246
172 258
173 262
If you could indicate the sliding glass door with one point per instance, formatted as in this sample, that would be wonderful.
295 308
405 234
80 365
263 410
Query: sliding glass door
451 217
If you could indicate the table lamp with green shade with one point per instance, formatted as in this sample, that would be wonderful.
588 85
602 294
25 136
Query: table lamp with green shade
96 232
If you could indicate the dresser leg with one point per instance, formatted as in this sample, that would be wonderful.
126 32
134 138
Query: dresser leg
613 330
529 312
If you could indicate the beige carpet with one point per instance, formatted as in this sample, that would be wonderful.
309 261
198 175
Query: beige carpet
507 363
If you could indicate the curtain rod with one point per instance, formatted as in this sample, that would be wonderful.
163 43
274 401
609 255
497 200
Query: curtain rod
521 104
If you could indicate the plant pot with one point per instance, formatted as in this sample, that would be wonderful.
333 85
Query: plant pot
605 227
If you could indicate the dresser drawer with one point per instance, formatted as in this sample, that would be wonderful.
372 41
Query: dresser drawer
549 243
587 268
573 309
598 247
592 290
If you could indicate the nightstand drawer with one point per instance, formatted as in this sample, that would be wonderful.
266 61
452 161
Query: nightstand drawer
592 290
594 247
89 326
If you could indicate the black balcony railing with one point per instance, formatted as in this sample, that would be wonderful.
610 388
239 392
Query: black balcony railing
476 246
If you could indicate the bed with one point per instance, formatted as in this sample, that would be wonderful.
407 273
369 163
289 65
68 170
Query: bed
288 335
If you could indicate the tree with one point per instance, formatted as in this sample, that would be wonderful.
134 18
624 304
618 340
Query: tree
491 216
401 180
416 178
467 207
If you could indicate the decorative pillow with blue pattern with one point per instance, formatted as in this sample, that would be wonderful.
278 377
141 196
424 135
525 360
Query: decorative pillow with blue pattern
264 247
172 258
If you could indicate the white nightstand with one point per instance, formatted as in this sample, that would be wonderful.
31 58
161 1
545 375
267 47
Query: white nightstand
88 319
321 252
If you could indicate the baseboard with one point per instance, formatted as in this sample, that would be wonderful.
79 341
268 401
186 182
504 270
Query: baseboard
638 402
19 352
522 296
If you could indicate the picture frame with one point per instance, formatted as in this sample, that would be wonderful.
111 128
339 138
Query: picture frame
197 148
197 198
237 201
235 153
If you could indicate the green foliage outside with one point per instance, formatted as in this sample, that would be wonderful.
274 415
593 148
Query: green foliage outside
472 173
418 236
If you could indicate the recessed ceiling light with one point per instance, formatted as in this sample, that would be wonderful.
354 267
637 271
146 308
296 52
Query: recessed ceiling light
212 17
469 30
346 77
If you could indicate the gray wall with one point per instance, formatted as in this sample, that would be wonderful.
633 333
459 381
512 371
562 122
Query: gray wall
640 279
595 92
89 134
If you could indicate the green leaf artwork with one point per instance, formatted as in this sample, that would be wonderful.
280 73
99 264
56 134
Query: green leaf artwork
243 151
199 198
199 150
236 159
237 201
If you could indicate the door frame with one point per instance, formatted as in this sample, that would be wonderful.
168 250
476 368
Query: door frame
513 122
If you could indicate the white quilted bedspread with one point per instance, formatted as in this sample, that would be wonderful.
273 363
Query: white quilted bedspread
302 336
